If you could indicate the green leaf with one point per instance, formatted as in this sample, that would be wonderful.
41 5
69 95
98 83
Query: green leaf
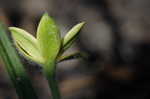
48 37
26 44
74 55
71 35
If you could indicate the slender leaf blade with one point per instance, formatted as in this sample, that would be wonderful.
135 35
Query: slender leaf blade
15 69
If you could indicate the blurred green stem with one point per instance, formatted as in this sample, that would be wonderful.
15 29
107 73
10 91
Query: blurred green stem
50 73
15 69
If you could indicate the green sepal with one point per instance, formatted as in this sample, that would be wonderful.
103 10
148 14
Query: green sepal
75 55
26 44
72 35
48 37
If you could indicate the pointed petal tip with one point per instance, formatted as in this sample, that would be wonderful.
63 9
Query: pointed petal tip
81 24
15 29
12 28
45 14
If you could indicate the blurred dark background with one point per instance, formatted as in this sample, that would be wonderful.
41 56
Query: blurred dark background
116 38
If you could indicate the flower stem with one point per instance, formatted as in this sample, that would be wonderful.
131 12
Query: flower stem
50 73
